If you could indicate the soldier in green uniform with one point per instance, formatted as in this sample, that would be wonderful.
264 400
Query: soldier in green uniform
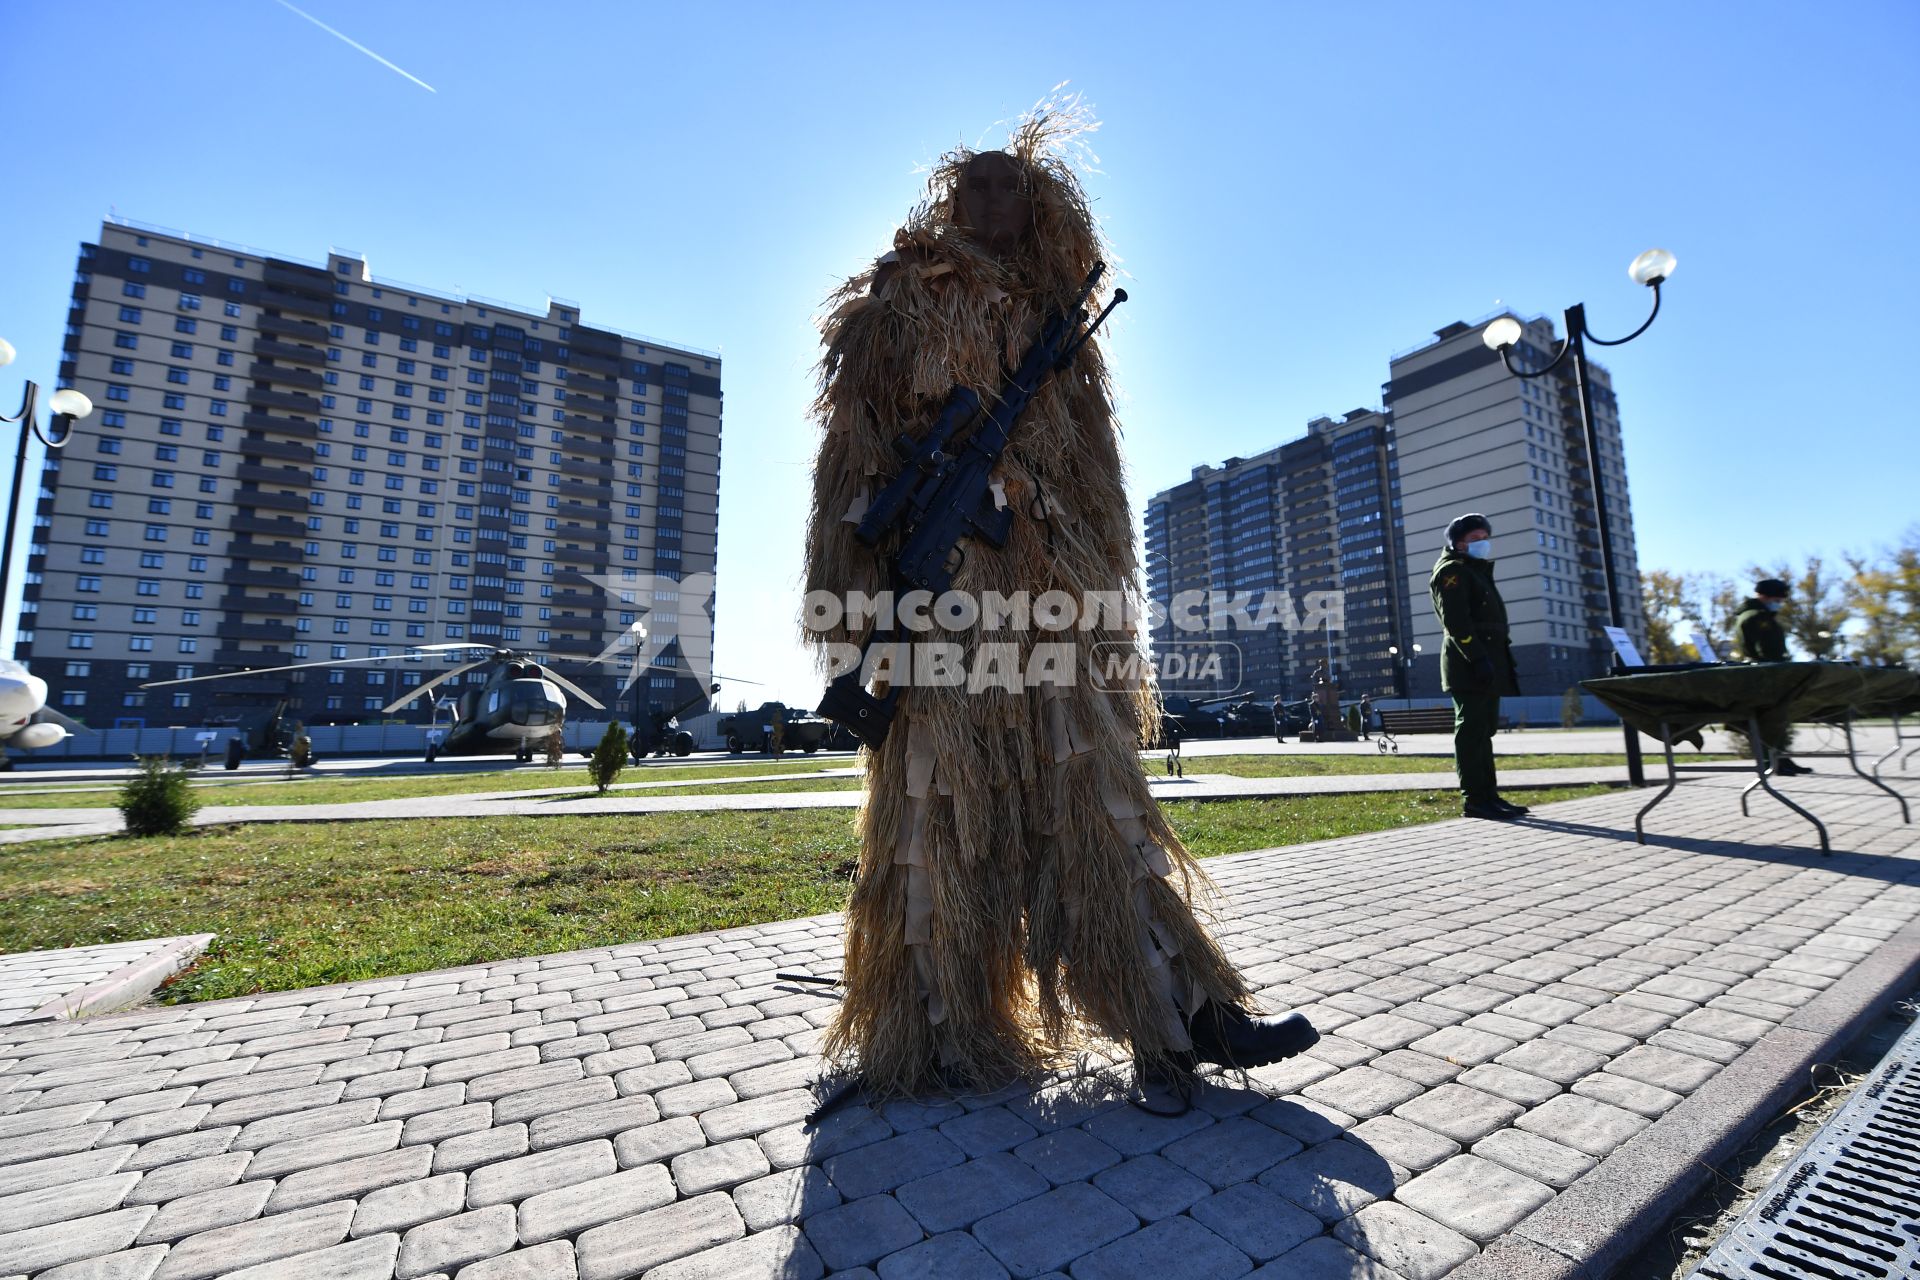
1476 662
1763 639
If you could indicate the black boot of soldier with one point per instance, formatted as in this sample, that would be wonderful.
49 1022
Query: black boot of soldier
1232 1037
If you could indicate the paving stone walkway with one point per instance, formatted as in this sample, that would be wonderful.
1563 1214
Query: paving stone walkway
75 981
1534 1034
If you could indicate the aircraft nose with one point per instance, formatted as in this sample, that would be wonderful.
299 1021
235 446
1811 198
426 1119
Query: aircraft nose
17 699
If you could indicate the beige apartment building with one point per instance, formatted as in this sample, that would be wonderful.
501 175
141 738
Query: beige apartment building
299 462
1473 437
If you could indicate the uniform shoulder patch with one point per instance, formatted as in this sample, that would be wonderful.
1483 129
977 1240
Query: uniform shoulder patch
1451 580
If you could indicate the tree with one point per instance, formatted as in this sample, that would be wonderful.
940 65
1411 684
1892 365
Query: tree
610 757
1572 707
1884 594
1663 598
556 749
157 802
1816 612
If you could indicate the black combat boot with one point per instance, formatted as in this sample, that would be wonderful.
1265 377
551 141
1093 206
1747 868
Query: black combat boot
1230 1036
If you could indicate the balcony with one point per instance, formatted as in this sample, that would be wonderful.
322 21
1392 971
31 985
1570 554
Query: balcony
578 600
581 511
282 426
243 602
261 578
500 523
258 474
250 659
293 400
286 375
582 489
248 496
591 426
248 549
278 631
279 526
591 471
586 385
281 300
592 406
272 686
307 281
573 644
1598 602
593 448
584 533
293 352
581 555
261 447
289 327
587 362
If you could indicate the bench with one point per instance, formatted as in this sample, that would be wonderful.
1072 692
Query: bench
1420 720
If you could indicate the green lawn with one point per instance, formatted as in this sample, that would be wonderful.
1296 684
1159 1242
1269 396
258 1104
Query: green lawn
1300 766
297 906
349 789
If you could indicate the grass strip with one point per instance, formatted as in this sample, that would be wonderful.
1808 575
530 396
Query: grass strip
298 906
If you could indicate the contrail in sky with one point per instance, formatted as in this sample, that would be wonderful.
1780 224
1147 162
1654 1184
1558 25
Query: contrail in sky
356 44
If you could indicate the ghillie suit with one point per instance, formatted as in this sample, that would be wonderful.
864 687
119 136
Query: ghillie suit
1016 880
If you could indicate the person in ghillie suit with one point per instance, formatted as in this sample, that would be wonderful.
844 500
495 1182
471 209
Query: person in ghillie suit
1018 891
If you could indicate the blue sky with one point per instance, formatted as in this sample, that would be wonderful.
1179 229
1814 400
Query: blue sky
1297 192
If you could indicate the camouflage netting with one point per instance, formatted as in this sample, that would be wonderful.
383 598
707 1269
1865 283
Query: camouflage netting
1777 694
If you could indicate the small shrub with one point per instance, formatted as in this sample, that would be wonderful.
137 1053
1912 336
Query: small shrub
157 802
556 749
610 757
1571 708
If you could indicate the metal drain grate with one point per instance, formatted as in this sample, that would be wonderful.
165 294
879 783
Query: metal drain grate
1848 1206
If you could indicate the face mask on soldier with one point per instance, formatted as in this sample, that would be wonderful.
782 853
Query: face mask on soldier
1481 550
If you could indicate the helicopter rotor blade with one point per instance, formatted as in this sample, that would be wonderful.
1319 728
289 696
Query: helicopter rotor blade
268 671
572 688
430 685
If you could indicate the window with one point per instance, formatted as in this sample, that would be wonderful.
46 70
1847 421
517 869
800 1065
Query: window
79 669
146 586
128 341
86 612
129 315
132 290
140 644
80 640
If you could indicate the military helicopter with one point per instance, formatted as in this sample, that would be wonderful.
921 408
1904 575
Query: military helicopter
25 718
518 707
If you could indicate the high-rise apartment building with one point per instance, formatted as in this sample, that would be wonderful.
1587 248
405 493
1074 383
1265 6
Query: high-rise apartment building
297 463
1313 523
1472 437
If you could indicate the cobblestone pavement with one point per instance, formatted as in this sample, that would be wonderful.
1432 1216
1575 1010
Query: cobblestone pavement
1533 1032
72 980
572 801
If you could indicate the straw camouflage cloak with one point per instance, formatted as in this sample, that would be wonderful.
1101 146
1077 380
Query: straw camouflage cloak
1016 881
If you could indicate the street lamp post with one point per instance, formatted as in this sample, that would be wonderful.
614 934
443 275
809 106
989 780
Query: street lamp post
1403 671
1651 269
68 407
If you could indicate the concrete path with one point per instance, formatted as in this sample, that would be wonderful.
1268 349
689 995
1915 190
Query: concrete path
556 802
80 981
1538 1035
